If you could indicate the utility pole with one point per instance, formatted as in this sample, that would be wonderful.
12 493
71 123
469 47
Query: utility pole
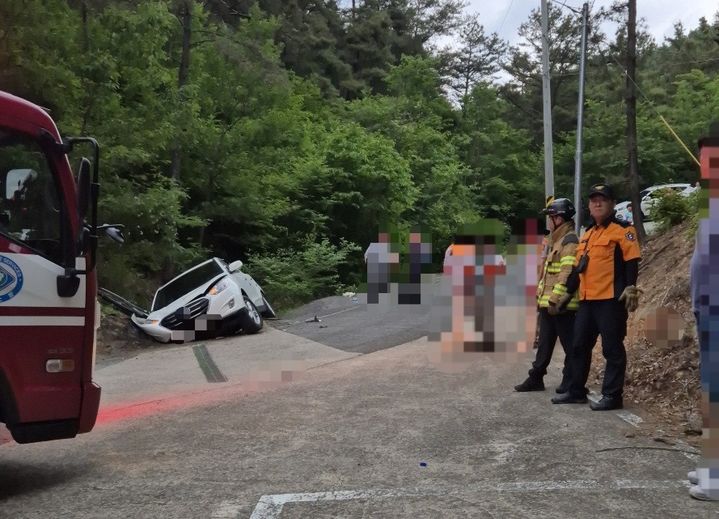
580 121
547 104
631 104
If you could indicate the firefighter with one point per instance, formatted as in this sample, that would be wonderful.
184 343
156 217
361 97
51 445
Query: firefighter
606 268
554 322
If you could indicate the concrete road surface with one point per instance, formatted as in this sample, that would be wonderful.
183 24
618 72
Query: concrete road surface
281 426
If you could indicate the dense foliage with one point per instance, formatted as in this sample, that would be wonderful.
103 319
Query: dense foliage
285 133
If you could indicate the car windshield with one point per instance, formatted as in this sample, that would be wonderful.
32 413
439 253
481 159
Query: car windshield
187 282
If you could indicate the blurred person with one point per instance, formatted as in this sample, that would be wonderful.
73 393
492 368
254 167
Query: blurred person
606 268
379 259
705 302
419 253
553 322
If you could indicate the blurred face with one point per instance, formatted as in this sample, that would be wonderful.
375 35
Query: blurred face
383 237
600 207
709 158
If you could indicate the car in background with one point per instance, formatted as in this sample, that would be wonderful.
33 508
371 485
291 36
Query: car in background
623 212
212 298
650 195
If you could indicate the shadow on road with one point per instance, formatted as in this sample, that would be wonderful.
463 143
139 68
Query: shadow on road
17 479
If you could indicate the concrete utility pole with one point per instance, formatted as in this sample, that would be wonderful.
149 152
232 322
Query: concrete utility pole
580 121
547 103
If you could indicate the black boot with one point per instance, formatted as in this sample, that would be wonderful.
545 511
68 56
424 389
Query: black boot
563 387
531 384
568 398
607 403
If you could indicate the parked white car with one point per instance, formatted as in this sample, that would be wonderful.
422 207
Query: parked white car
650 195
208 299
623 212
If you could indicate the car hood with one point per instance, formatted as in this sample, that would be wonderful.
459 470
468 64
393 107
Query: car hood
179 303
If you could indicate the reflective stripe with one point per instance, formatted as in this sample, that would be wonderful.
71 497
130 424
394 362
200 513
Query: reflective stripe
16 320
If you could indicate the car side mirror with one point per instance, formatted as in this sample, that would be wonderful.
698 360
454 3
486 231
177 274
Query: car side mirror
236 266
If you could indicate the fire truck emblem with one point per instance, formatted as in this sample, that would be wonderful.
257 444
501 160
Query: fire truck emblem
11 279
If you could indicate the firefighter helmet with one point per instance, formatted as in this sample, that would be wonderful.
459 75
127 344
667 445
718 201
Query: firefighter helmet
560 207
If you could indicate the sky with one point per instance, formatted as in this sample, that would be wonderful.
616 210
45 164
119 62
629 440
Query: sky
505 16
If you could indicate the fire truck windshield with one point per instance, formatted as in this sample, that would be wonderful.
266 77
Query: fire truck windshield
30 209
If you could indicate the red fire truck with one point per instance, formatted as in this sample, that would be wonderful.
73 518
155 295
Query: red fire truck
48 286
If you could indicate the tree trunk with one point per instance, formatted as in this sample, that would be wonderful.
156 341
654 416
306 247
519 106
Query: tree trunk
631 104
183 74
85 32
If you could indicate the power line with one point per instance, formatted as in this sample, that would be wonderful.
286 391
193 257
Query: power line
506 13
653 107
573 9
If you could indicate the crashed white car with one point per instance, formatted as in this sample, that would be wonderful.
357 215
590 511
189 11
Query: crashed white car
212 298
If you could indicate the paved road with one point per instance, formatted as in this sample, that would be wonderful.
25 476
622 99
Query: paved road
302 429
349 324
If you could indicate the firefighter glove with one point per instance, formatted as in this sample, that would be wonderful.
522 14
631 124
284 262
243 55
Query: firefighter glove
630 297
558 305
553 309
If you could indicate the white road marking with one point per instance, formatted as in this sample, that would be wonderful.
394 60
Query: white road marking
270 506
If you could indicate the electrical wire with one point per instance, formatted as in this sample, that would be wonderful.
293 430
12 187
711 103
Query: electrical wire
574 9
506 13
653 107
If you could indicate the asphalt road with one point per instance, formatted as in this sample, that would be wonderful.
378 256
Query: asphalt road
287 425
349 324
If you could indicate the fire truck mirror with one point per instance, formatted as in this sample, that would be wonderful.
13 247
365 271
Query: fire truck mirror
17 182
84 179
115 233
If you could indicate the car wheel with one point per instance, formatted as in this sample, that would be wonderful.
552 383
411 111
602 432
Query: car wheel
251 321
269 312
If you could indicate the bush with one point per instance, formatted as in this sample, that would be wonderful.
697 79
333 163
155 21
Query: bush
291 277
672 208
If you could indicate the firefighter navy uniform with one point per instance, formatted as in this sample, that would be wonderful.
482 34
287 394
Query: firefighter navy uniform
606 263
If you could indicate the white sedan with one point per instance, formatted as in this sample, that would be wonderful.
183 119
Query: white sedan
650 195
209 299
